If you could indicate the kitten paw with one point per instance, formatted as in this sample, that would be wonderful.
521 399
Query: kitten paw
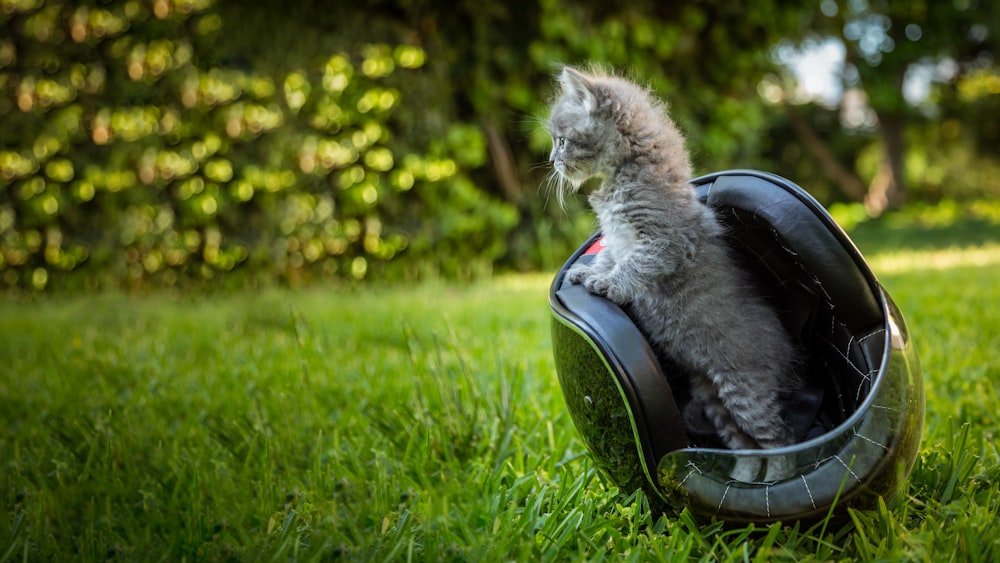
609 287
779 469
746 469
579 273
598 285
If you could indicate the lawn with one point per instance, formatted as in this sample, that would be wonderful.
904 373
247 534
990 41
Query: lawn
424 423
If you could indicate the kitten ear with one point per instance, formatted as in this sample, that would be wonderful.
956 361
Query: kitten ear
578 86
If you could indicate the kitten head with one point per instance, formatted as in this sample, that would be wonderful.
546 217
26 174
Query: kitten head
585 142
600 122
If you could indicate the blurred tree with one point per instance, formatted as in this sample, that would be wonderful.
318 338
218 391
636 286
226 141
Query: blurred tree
499 60
897 54
166 143
175 142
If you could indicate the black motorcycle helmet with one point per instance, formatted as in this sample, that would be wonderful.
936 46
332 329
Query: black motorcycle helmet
858 418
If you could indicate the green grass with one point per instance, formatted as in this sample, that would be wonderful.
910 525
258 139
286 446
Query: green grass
419 423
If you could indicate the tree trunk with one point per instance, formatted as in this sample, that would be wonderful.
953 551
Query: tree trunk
888 188
502 158
845 178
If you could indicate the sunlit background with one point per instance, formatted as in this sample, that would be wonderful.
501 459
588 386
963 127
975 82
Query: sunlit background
185 143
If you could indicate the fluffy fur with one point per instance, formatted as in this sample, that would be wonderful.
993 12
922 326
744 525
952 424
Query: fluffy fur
667 265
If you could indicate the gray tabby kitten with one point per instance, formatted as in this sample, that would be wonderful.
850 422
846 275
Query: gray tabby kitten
668 267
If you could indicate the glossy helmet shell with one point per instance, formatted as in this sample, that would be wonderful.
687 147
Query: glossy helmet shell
858 417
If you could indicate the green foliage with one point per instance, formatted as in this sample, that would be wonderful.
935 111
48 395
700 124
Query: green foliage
418 423
916 83
704 58
188 143
132 155
176 147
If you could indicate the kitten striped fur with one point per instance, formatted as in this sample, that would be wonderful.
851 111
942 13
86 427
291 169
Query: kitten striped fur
667 265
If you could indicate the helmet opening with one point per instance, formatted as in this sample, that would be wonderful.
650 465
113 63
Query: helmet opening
841 334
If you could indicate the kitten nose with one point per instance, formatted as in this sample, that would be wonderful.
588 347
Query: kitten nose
552 154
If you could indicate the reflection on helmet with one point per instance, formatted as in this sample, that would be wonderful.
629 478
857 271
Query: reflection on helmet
858 418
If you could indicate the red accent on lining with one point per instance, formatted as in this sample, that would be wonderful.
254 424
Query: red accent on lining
598 246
